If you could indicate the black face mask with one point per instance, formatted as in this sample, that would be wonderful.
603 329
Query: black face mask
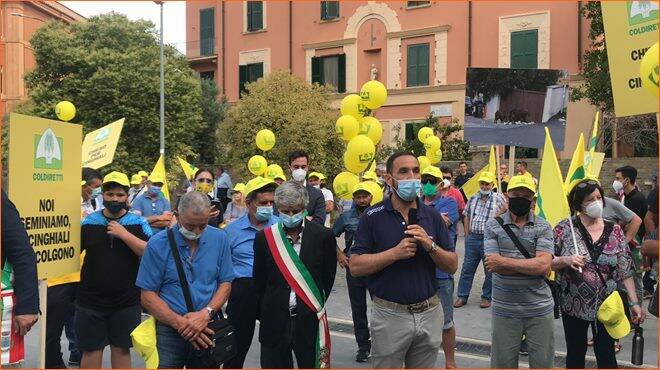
114 206
361 208
519 206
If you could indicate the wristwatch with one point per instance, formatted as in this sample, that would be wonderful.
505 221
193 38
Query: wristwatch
633 304
434 248
211 312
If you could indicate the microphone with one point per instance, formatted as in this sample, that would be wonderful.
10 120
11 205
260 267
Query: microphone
412 216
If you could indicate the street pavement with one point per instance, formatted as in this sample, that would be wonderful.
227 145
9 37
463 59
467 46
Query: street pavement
529 136
472 328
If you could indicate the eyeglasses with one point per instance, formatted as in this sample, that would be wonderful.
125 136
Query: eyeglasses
429 181
584 184
208 181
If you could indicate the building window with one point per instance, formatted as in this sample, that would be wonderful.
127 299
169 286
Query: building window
207 75
329 10
418 65
524 49
249 73
207 31
416 4
255 15
330 70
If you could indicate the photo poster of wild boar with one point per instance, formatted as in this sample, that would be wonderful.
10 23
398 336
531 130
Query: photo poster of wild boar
510 106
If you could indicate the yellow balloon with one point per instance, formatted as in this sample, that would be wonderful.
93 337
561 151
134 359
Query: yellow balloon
373 94
375 190
423 162
374 130
352 105
353 165
649 70
432 144
344 183
360 151
434 157
257 165
65 110
424 133
265 140
347 127
273 170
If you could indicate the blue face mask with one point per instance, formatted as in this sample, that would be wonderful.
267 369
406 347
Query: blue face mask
154 190
96 192
408 190
294 221
264 213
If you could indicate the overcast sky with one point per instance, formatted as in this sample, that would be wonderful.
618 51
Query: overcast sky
174 15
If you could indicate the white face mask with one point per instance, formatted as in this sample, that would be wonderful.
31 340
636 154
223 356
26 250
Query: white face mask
299 174
190 235
617 186
445 183
594 209
317 186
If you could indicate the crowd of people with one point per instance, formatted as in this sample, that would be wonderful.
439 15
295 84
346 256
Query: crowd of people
266 251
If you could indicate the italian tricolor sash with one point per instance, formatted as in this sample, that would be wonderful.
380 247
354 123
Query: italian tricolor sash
300 280
12 346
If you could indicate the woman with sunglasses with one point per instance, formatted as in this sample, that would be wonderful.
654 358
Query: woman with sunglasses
203 183
589 276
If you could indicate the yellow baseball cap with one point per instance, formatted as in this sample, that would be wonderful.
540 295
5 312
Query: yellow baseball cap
522 181
118 177
279 176
136 179
257 183
611 314
432 171
239 187
156 177
83 183
370 175
143 174
486 176
319 175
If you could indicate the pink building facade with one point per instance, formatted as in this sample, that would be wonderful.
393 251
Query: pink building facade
419 49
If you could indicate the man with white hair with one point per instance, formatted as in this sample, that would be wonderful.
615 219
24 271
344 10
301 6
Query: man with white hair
295 262
206 259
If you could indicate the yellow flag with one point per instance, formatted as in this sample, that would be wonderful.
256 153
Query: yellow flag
471 187
551 203
576 170
593 140
492 162
188 168
160 169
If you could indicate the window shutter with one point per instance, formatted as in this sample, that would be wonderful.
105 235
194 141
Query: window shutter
206 31
255 15
423 65
257 71
333 9
317 68
410 134
341 64
242 78
524 49
411 71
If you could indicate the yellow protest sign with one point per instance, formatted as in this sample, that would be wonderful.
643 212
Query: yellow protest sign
631 27
98 148
44 184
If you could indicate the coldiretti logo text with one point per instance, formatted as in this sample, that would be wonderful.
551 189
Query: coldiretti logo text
48 156
640 12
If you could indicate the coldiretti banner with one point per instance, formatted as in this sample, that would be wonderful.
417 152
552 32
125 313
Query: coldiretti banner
44 183
98 148
631 27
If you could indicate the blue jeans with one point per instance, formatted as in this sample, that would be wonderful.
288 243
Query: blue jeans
174 352
446 295
474 253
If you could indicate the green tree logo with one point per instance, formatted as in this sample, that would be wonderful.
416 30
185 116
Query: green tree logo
48 151
641 11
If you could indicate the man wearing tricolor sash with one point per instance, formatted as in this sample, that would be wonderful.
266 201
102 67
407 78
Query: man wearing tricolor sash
294 269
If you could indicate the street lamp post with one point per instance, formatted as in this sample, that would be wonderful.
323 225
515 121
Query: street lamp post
162 85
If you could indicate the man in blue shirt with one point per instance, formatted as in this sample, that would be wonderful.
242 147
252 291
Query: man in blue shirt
435 195
347 224
153 206
399 244
206 260
243 307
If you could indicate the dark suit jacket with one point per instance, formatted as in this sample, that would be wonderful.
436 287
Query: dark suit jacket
17 250
316 206
318 254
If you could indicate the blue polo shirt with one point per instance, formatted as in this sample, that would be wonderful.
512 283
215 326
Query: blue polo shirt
408 281
210 266
151 207
241 235
449 206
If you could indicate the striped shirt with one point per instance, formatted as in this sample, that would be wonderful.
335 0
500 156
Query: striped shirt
480 211
520 296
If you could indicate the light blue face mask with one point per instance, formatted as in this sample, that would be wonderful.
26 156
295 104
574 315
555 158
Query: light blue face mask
485 192
96 192
294 221
408 190
190 235
154 190
264 213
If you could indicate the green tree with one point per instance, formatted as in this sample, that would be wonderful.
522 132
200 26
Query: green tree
213 112
108 67
298 113
453 146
